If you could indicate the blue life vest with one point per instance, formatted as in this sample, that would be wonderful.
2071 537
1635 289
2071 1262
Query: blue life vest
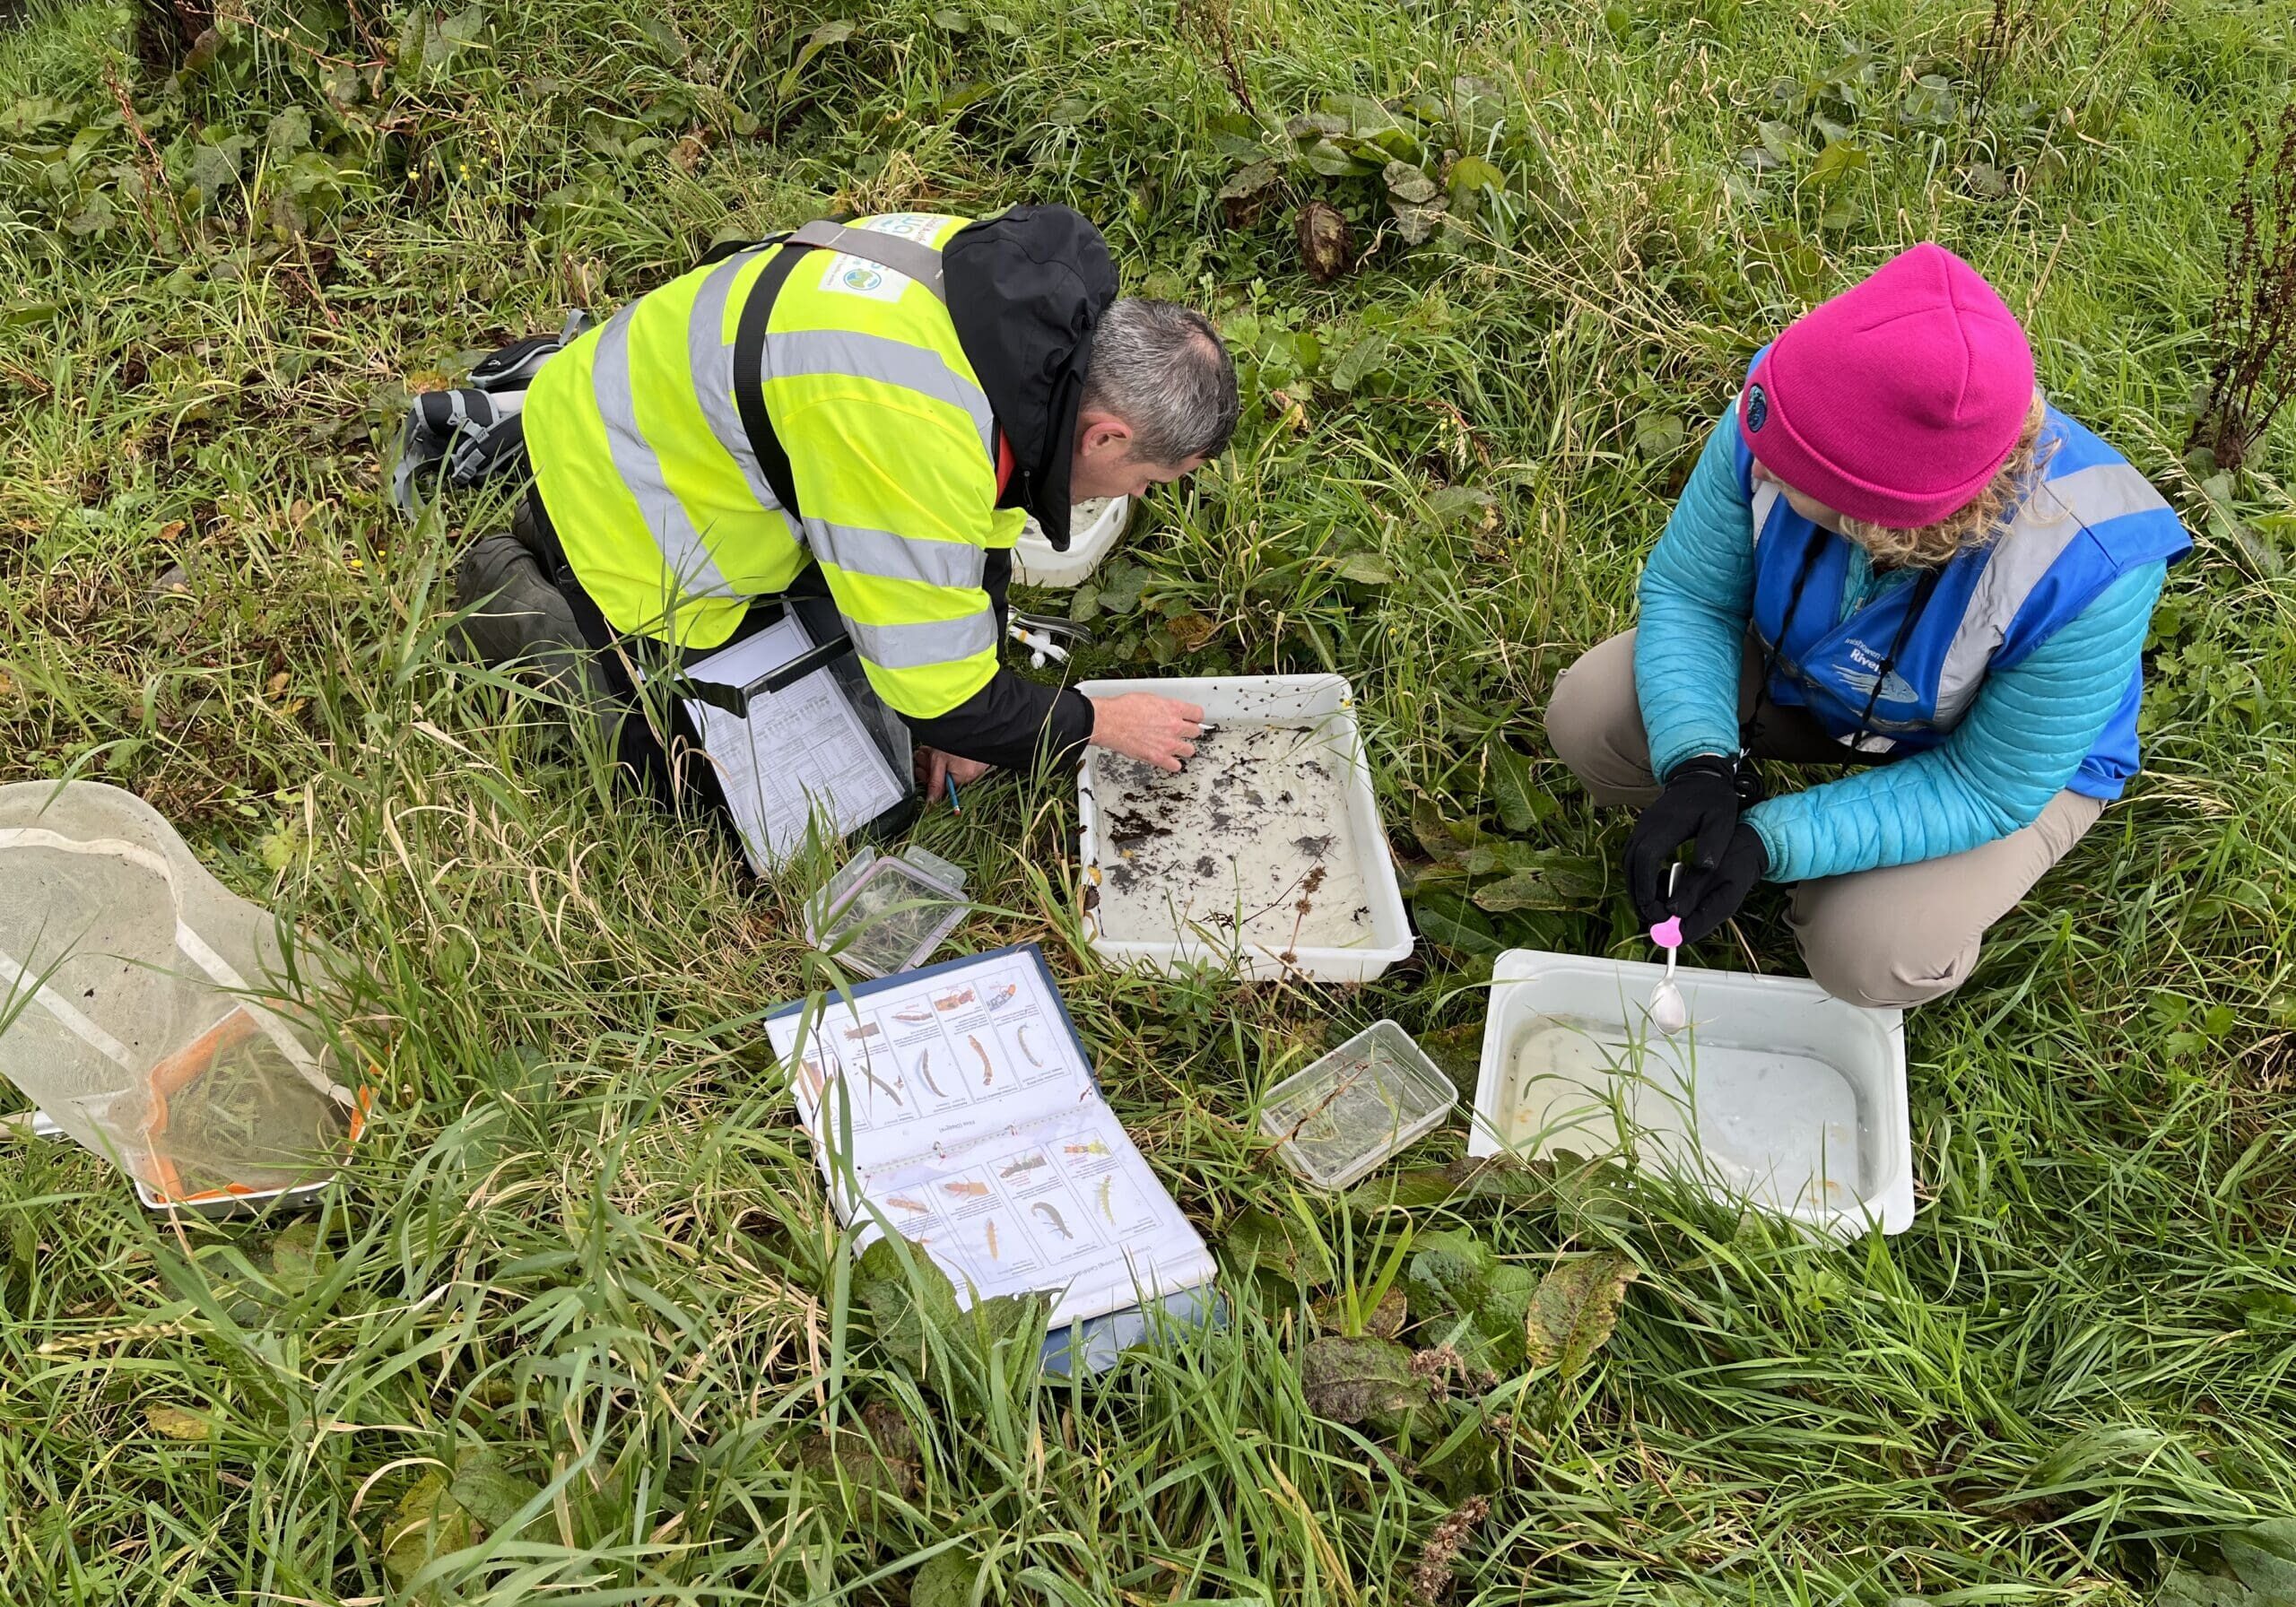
2090 519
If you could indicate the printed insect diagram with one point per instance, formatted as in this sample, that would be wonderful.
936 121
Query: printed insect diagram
961 1100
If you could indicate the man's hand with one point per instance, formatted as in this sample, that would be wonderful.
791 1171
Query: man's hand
935 769
1156 731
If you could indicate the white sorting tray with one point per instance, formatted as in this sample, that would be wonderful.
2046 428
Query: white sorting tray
1035 563
1327 701
1776 1092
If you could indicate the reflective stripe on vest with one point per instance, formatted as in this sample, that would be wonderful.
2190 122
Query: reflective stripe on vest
685 554
2058 511
2090 518
710 352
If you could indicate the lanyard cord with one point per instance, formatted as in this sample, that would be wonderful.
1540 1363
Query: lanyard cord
1770 655
1923 589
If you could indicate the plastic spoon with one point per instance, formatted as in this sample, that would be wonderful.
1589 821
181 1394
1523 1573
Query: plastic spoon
1668 1013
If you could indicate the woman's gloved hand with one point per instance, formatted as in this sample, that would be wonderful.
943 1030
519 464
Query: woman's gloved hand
1698 805
1707 899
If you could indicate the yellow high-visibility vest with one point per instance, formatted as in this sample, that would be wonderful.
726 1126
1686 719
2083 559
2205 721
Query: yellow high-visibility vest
666 519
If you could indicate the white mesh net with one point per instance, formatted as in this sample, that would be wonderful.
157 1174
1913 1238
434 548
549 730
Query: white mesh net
153 1015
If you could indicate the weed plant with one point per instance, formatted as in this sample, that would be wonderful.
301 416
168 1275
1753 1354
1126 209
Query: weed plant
579 1328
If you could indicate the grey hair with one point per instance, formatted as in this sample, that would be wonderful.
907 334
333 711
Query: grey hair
1162 368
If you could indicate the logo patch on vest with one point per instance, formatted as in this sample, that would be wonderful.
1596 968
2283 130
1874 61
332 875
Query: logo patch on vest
1757 408
851 276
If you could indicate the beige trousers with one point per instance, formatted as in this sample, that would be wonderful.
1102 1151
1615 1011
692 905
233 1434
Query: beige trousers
1886 938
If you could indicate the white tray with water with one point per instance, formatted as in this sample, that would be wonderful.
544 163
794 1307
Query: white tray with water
1265 856
1776 1093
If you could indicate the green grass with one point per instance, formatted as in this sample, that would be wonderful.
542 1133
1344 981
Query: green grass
585 1259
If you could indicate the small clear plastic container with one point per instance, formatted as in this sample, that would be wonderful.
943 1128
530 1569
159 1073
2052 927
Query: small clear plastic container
887 913
1369 1098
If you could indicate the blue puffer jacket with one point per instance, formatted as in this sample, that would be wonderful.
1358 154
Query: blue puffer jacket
2023 737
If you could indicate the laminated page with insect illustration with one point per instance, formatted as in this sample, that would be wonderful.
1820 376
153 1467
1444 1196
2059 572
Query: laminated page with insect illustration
956 1106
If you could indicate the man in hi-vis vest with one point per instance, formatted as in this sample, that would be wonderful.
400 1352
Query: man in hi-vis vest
860 415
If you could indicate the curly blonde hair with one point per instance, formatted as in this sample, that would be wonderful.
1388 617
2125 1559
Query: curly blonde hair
1974 523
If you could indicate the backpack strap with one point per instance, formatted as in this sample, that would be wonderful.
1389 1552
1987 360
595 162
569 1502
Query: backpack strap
749 377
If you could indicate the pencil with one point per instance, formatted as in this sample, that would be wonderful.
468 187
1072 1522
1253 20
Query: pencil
954 807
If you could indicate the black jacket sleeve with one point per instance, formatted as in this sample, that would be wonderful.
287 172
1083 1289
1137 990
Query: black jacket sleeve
1012 721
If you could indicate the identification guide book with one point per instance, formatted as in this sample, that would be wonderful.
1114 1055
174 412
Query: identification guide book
798 748
961 1097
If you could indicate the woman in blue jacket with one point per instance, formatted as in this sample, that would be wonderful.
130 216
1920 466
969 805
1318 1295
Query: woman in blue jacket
1891 555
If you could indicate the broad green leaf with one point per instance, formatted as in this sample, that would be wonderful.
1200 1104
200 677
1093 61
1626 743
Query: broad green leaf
1360 1380
1444 917
945 1580
1575 1310
2184 1588
1472 173
1447 1271
835 31
1259 1239
1930 101
1658 435
215 166
1334 162
950 19
905 1301
176 1423
490 1492
2263 1557
1007 1318
1417 223
427 1523
465 26
1563 885
1359 115
1778 139
298 1259
1511 788
1436 838
37 113
875 1457
1454 1275
1407 183
1121 584
1366 568
1360 361
1839 160
1248 181
289 132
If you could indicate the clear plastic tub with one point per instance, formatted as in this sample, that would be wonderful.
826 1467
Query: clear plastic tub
1369 1098
883 914
253 1202
1776 1092
1092 535
1220 875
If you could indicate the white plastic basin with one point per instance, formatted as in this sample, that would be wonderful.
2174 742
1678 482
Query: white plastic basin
1035 563
1193 933
1776 1093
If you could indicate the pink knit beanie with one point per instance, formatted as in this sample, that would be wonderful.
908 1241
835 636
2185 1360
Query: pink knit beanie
1896 401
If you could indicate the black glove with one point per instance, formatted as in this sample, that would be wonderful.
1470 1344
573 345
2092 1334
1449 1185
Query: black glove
1710 897
1700 802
